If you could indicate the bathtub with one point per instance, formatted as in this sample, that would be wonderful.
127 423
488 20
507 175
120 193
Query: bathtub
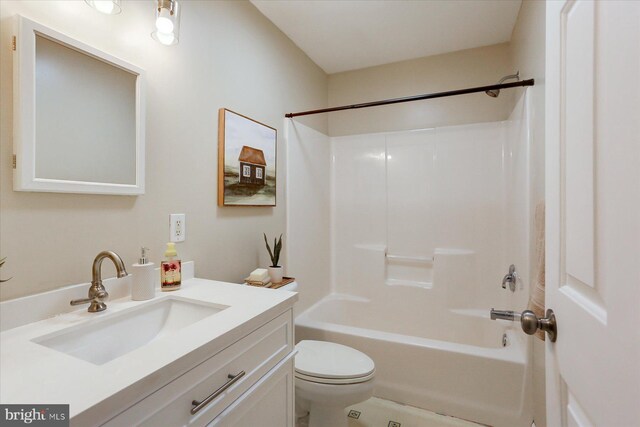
451 362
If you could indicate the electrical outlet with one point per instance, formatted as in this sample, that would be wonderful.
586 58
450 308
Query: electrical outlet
177 227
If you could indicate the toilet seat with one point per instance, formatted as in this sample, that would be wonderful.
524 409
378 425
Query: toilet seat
331 363
333 381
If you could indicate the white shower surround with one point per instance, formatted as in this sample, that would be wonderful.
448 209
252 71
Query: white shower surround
458 198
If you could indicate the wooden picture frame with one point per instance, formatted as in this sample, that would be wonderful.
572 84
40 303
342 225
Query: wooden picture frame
247 161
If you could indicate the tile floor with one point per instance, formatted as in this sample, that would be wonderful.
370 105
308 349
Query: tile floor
384 413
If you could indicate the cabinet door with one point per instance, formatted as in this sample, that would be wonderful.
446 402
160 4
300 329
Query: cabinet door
257 354
269 403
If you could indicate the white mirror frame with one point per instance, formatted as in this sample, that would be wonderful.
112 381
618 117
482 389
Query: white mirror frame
24 108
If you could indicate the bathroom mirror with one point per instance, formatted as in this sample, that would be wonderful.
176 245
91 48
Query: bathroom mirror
78 116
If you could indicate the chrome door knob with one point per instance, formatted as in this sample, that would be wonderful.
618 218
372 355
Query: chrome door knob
529 322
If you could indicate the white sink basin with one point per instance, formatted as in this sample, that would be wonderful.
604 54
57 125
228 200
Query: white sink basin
106 338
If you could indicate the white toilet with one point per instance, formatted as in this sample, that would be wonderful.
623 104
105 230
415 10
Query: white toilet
328 378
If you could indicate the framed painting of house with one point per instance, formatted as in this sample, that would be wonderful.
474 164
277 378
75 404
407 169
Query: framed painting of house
246 161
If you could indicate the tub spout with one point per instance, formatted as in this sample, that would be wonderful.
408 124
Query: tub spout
513 316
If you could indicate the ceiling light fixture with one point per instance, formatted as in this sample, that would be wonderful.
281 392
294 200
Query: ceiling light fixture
108 7
167 22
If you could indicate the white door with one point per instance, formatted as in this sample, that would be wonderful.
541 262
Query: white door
593 212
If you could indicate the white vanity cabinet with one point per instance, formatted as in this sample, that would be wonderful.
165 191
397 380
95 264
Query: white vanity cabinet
267 403
262 396
145 363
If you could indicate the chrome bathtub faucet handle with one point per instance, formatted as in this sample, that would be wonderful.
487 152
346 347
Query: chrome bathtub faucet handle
510 278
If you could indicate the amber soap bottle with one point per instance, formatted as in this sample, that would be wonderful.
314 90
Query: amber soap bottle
170 269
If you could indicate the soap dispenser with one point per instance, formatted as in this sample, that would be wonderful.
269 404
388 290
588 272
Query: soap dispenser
170 270
143 286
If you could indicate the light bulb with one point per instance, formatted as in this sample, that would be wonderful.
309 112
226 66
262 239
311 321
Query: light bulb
164 25
167 22
108 7
104 6
165 38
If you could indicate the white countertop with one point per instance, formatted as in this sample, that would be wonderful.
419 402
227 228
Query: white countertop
32 373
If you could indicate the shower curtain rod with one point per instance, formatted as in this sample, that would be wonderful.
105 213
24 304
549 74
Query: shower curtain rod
529 82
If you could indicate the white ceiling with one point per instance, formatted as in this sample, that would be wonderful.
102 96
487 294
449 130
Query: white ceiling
343 35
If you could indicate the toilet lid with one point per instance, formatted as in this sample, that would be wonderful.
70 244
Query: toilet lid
322 359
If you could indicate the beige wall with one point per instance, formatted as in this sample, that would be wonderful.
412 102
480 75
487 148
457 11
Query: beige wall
528 53
229 56
457 70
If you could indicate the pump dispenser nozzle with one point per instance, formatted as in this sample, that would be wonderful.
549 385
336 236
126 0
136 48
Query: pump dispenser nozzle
143 256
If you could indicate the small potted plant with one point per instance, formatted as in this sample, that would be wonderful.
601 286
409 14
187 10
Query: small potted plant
275 270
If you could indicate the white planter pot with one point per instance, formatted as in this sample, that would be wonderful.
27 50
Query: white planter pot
275 273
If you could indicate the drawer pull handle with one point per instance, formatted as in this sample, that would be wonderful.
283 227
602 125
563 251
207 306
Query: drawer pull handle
198 405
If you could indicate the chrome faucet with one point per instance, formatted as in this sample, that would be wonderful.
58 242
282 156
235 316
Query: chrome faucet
510 278
97 292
